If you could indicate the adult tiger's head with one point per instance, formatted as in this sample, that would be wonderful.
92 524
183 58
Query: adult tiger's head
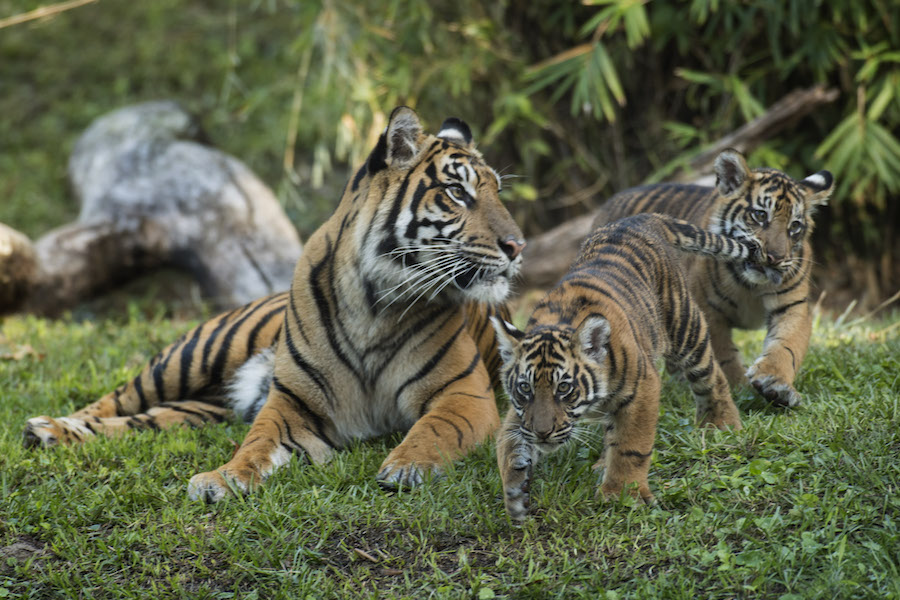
435 226
771 209
554 375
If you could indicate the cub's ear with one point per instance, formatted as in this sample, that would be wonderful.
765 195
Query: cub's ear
400 142
820 185
592 338
732 173
456 130
508 338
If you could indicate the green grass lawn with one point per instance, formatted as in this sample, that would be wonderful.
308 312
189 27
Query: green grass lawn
800 504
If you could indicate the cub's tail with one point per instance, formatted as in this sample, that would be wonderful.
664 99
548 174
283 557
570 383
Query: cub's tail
690 238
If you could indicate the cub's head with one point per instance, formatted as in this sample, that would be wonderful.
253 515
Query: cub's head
773 210
436 229
553 376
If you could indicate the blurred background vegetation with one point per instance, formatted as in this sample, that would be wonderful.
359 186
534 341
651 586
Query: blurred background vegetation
577 100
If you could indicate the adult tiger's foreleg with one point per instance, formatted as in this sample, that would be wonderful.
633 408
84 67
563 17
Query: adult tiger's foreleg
458 418
285 425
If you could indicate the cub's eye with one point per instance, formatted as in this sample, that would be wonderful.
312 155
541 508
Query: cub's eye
795 228
524 388
759 215
563 388
457 192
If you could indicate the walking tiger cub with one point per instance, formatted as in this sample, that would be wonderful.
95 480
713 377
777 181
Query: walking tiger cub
384 329
590 347
768 208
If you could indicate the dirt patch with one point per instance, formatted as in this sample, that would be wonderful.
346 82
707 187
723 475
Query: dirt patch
23 550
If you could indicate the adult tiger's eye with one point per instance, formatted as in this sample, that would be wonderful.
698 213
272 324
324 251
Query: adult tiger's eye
457 192
563 388
524 388
760 215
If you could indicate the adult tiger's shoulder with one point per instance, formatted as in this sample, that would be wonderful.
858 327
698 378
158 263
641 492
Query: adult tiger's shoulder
385 328
590 350
775 211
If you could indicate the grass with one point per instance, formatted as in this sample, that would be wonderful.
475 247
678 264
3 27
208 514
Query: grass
801 504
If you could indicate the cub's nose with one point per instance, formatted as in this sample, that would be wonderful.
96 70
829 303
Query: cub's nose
774 258
511 246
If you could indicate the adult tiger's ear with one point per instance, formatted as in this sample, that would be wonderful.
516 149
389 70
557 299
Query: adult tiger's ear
732 173
820 185
592 338
456 130
508 337
399 145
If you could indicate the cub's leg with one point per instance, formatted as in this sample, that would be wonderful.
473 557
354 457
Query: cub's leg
787 340
516 458
45 431
463 415
726 353
285 424
629 439
693 355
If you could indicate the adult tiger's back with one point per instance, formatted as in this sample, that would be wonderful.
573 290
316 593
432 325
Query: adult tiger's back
383 330
775 212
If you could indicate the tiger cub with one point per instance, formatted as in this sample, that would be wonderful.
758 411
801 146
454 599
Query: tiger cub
770 209
385 328
590 347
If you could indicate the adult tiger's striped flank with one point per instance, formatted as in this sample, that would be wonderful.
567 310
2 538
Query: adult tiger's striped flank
590 347
385 328
774 211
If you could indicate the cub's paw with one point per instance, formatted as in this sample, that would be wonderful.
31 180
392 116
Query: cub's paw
214 486
775 390
517 486
47 431
640 492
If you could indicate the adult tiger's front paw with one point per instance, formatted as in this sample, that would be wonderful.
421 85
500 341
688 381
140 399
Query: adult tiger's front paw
215 485
47 431
775 390
398 470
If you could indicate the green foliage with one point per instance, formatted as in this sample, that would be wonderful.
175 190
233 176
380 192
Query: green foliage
576 100
800 504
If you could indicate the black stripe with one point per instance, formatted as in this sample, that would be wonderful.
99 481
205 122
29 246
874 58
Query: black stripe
459 433
785 307
254 333
184 368
304 411
461 375
431 363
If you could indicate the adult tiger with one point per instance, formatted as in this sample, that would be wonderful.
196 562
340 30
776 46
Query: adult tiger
590 348
384 329
773 210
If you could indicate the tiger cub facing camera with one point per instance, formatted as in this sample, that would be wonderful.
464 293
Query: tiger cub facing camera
774 211
589 351
385 328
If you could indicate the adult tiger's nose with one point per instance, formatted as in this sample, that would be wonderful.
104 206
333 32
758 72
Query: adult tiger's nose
511 246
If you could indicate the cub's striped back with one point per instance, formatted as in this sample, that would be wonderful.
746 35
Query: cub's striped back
590 347
773 211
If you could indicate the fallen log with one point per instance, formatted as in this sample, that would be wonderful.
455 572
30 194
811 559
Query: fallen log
151 196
